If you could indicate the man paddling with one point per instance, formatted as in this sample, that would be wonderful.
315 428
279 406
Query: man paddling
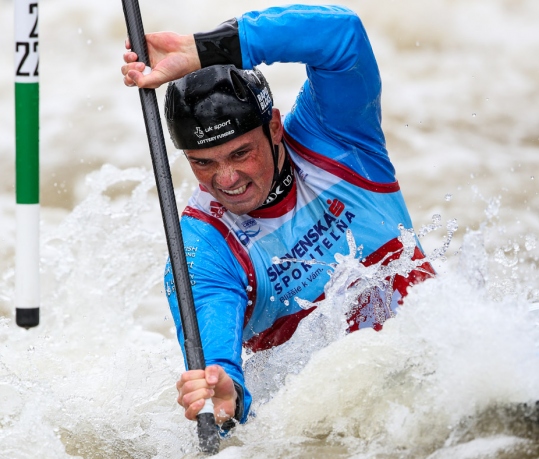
269 189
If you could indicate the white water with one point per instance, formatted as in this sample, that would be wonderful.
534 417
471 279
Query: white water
442 380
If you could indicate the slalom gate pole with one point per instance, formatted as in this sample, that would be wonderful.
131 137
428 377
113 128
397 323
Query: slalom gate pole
27 163
207 430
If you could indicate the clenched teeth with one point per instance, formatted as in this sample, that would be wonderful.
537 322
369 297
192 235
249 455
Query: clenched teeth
239 190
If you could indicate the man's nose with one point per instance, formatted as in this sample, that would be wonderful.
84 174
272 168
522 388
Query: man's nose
226 176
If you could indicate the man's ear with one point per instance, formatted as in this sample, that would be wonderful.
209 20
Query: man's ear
276 126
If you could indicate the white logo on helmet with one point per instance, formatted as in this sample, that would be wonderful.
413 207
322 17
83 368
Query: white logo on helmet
264 99
199 132
217 127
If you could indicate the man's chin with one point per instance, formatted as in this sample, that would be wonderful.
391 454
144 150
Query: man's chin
239 209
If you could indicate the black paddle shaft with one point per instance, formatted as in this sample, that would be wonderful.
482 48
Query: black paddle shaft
165 190
208 435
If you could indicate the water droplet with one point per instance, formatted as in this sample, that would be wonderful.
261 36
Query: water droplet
286 302
532 177
249 303
417 43
474 115
272 298
448 197
249 288
89 42
530 242
452 225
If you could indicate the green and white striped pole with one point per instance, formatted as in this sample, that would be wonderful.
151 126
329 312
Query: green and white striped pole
27 163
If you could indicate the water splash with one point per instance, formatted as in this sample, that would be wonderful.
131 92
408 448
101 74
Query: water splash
94 379
450 376
350 278
97 379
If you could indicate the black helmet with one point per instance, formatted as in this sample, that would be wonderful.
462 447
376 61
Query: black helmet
216 104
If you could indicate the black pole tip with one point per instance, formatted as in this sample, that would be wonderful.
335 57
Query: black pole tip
27 318
208 434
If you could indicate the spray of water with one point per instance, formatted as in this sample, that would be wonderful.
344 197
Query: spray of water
350 279
452 375
448 376
95 379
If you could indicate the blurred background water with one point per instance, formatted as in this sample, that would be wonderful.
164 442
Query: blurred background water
447 378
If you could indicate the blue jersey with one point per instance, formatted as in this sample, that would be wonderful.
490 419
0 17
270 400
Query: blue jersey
343 180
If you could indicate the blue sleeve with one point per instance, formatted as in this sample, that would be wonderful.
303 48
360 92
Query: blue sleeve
219 292
338 111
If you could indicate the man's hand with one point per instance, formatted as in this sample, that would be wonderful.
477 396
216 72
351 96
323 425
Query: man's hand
171 57
195 386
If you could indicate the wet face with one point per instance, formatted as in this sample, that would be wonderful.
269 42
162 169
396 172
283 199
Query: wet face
239 173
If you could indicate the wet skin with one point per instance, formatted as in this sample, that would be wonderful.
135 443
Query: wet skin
239 173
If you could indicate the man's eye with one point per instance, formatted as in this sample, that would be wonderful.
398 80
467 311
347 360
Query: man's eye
240 154
201 162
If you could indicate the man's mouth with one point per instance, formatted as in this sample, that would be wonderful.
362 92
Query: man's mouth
237 191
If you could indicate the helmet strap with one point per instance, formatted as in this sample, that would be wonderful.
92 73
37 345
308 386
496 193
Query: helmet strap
282 180
274 152
275 164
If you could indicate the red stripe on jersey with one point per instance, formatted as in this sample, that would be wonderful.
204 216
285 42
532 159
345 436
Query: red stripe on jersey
340 170
237 249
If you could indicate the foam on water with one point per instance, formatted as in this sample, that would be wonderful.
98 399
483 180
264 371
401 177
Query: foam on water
92 381
448 375
96 379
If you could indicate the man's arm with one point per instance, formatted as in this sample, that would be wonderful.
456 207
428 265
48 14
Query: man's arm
219 287
338 112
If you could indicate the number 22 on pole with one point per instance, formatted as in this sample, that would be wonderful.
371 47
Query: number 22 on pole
27 163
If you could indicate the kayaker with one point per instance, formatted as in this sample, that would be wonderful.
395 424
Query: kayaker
274 188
